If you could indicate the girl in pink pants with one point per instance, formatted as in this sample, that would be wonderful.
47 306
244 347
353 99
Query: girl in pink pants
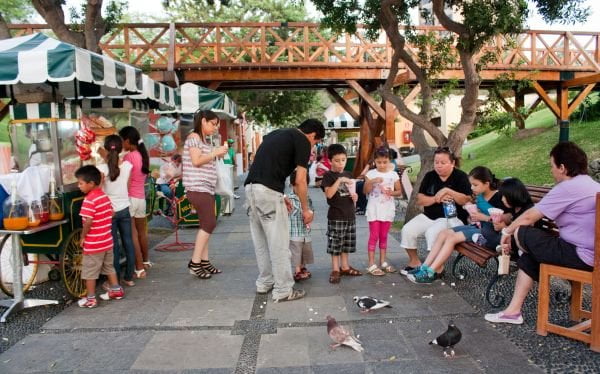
381 185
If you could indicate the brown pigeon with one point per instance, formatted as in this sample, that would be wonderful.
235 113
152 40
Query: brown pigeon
341 336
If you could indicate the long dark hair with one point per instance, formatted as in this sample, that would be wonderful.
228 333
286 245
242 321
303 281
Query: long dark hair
113 145
515 193
131 134
481 173
207 115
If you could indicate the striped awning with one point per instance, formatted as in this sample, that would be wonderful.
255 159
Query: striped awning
37 58
125 104
194 97
162 95
47 111
343 121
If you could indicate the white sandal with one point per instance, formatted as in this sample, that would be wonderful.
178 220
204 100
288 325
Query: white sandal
376 271
388 268
148 265
140 274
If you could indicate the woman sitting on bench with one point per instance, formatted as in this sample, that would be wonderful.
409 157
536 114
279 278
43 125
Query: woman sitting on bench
485 187
571 204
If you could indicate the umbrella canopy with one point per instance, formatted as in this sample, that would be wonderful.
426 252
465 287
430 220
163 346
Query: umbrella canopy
194 97
37 58
342 121
165 96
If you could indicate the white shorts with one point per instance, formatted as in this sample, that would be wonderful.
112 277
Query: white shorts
422 225
137 208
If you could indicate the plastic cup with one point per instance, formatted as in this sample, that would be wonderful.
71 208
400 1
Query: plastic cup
470 208
352 186
496 214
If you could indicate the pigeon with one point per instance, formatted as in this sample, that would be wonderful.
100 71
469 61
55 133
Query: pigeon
341 336
367 303
448 339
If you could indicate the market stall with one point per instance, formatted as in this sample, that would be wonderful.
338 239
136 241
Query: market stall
345 130
54 87
194 98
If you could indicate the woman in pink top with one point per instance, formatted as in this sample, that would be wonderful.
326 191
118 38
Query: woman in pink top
138 157
199 180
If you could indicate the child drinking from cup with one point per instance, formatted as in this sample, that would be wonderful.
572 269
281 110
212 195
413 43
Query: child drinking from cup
485 188
381 185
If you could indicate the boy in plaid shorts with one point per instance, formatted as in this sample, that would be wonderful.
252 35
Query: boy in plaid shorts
341 222
96 237
300 239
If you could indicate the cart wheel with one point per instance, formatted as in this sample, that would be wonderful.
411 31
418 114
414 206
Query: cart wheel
54 275
30 267
71 265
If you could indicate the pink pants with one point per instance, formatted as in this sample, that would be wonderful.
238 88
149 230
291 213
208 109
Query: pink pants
378 230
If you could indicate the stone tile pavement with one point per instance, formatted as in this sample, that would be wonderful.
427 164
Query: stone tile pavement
173 322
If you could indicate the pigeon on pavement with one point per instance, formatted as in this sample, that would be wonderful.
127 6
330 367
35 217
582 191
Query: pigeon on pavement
368 303
341 336
448 339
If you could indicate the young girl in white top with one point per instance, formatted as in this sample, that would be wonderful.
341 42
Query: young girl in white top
381 185
115 182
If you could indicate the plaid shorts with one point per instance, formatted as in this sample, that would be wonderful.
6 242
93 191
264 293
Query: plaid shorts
341 237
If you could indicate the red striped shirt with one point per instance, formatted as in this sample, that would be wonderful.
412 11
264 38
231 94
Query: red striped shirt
96 206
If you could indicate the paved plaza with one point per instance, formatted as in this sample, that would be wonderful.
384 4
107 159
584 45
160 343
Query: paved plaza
173 322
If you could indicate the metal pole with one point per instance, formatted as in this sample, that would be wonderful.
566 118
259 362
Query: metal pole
564 131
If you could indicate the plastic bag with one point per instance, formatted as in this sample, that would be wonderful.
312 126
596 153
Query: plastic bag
224 185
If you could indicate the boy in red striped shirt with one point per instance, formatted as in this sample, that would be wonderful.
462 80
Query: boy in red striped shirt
96 237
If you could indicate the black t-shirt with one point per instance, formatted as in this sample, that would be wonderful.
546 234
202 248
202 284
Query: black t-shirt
278 155
341 206
432 184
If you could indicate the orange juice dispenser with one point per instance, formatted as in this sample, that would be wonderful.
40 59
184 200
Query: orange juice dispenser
15 210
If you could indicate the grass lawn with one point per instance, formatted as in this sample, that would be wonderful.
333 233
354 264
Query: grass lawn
527 159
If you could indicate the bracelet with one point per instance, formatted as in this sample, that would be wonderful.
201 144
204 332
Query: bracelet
505 232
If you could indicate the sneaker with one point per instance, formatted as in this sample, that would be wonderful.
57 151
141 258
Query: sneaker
264 291
113 294
500 317
423 276
87 302
410 270
236 196
295 294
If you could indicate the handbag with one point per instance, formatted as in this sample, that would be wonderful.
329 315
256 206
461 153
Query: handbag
224 186
503 261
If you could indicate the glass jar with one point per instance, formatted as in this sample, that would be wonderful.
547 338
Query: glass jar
45 209
34 213
56 207
15 214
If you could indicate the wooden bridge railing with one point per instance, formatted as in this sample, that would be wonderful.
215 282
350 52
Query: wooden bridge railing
261 45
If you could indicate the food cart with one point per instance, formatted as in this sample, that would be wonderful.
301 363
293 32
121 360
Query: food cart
47 81
194 98
345 130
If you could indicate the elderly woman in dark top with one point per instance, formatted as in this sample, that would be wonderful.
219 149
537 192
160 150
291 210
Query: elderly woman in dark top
444 183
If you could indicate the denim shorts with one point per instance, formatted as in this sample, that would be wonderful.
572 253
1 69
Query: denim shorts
468 231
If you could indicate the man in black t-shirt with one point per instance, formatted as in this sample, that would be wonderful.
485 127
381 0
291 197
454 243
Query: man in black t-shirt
281 152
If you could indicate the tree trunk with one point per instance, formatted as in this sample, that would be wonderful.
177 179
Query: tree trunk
4 32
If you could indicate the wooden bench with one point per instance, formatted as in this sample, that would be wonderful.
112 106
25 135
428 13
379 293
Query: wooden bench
577 278
481 255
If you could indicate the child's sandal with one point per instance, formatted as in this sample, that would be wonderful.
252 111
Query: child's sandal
140 274
305 271
350 272
388 268
148 264
334 277
374 270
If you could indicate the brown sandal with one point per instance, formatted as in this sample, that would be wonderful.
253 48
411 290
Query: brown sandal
350 272
300 276
334 277
305 271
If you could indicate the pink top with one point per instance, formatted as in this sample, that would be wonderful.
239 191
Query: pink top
137 179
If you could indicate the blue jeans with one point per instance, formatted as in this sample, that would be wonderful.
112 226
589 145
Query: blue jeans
166 190
122 221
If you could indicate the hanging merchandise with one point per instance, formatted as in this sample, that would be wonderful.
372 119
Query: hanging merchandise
84 139
167 144
165 125
151 140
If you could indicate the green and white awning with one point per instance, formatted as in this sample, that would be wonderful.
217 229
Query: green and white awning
194 97
37 58
116 105
161 94
47 111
